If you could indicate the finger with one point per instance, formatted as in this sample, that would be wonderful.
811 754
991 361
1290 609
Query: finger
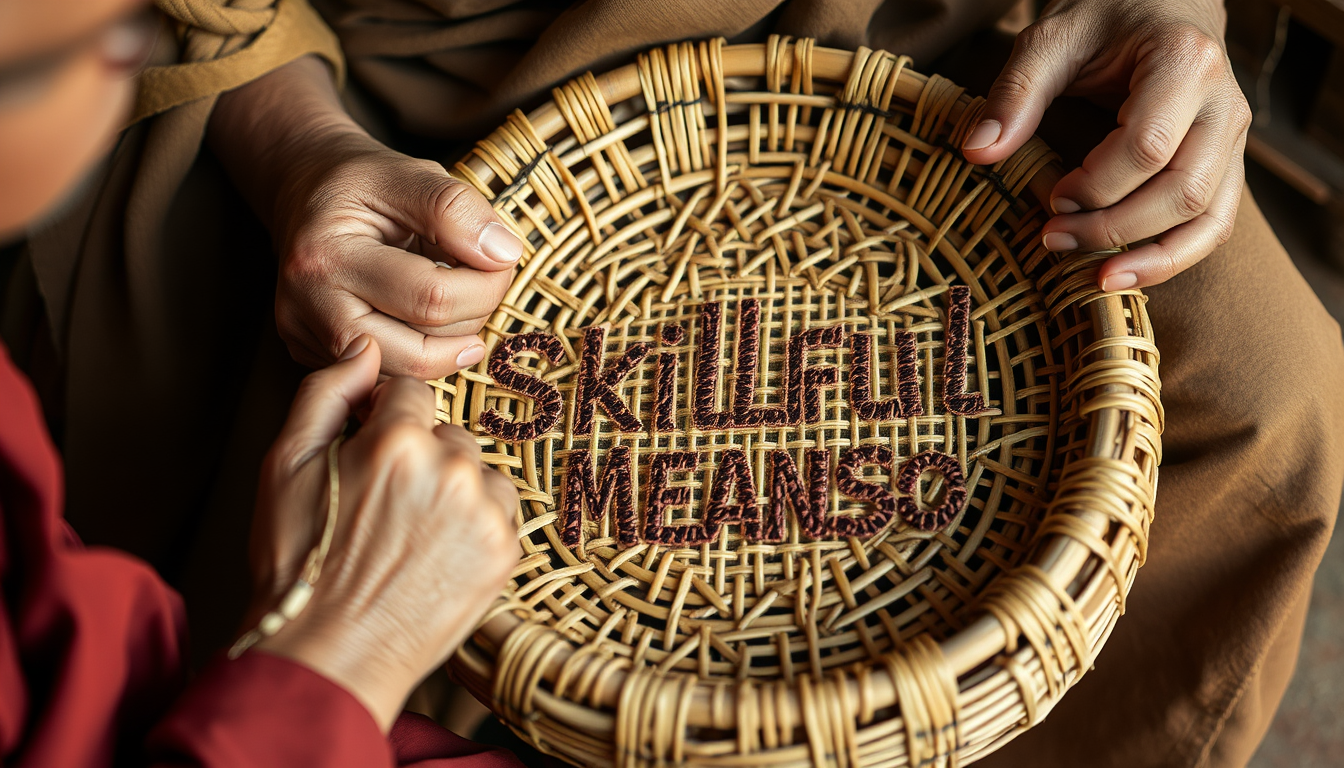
500 489
402 400
454 218
457 440
1168 92
407 352
1043 63
470 327
325 401
1182 191
1182 247
414 289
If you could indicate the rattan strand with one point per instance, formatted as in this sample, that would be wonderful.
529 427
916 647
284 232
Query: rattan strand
824 184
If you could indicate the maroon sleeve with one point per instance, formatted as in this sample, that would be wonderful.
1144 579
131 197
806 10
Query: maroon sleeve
261 711
422 743
91 655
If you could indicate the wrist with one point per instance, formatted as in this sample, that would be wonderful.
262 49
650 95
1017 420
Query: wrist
276 128
347 656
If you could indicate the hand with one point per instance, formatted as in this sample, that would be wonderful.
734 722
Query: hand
359 234
359 229
1172 169
425 536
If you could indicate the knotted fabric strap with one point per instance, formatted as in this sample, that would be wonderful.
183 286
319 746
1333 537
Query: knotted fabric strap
228 44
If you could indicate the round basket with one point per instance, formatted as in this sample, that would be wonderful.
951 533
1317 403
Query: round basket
824 459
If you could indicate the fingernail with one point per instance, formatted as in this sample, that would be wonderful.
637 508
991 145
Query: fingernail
360 343
1119 281
1065 205
1060 241
984 134
499 244
470 356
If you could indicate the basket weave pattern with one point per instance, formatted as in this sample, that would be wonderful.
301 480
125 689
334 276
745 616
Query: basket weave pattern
744 198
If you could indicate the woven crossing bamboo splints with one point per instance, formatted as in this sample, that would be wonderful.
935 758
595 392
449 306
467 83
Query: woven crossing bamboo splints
824 459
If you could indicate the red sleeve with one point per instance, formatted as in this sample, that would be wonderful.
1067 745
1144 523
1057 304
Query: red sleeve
263 711
91 655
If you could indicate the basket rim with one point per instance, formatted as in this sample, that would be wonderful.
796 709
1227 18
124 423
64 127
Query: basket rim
1065 559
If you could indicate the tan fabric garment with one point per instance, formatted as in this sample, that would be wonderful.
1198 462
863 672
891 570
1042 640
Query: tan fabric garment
1251 363
451 69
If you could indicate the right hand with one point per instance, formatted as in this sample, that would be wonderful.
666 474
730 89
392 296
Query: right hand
359 229
425 538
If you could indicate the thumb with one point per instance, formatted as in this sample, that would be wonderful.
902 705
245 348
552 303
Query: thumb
1041 66
324 403
456 221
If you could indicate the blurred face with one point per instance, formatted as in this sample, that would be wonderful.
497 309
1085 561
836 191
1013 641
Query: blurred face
66 85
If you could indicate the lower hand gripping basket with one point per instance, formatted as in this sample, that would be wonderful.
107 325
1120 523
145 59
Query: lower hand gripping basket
824 459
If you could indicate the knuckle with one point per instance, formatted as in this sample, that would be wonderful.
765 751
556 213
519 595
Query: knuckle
459 468
1112 234
1040 32
1152 145
1168 266
305 265
1196 48
341 336
1241 111
457 432
392 441
1012 86
434 305
447 196
1194 193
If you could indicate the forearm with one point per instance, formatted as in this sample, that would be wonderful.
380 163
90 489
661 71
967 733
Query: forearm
263 131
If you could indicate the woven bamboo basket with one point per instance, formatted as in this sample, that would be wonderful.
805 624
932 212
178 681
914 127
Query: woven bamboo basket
824 459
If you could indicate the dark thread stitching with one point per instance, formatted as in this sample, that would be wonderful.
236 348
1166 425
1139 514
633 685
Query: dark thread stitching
665 379
598 387
745 367
733 479
660 496
665 392
550 405
672 334
803 382
906 402
581 492
707 371
984 171
521 179
850 483
809 504
787 491
954 493
660 107
955 339
907 374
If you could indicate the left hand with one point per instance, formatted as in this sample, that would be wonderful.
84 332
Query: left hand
1172 169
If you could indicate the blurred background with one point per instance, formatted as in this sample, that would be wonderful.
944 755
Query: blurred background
1289 58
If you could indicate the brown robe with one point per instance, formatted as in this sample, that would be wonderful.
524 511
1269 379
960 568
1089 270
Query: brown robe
164 339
